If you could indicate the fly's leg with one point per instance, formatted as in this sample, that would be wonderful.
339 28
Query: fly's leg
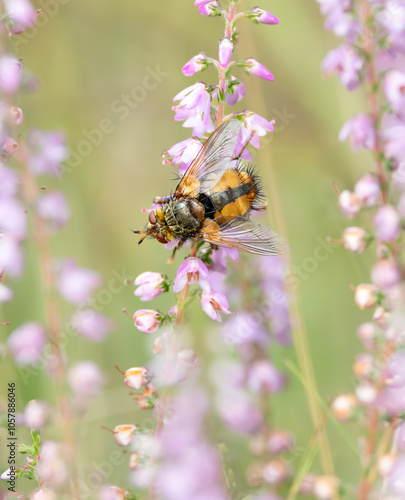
179 245
243 147
161 200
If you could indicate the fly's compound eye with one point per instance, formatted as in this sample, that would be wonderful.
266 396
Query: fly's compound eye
161 238
152 218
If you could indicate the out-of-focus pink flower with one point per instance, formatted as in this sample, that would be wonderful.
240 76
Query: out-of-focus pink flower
339 18
236 91
367 333
150 285
364 295
325 487
346 63
113 493
6 293
11 256
349 203
10 74
354 239
343 406
219 259
53 207
86 379
394 85
387 224
43 494
16 115
225 52
91 324
10 146
147 320
76 284
136 377
361 130
21 13
213 302
385 274
124 434
195 64
253 67
184 151
395 141
195 109
26 343
12 217
367 189
35 414
262 16
396 476
280 441
275 472
394 372
9 180
244 329
264 377
192 271
48 150
177 369
52 468
238 412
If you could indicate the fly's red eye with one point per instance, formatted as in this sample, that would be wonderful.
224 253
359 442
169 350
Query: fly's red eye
152 218
161 238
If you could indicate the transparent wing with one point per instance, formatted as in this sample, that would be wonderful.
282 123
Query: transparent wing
244 235
211 162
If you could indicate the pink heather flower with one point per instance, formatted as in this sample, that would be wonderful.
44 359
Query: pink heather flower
91 324
12 217
192 271
395 142
325 487
343 406
147 320
367 333
6 293
394 373
10 74
275 472
26 343
354 239
244 329
213 302
387 224
52 468
10 146
236 91
21 13
48 151
36 414
367 189
252 67
184 151
385 274
178 369
364 295
339 18
53 207
218 258
225 52
267 496
238 412
264 377
85 379
349 203
394 87
16 115
11 257
262 16
195 64
396 476
346 63
195 109
150 285
76 284
209 8
361 130
113 493
136 377
44 494
124 434
9 180
280 441
257 125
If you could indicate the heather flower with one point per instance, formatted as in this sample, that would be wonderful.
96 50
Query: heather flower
124 434
385 463
21 14
395 143
244 329
176 369
136 377
195 109
325 487
192 271
218 258
76 284
364 295
343 406
238 412
367 333
349 203
9 181
252 67
26 343
44 494
147 320
366 393
6 293
10 146
387 224
225 52
394 373
10 74
367 189
275 472
53 207
209 8
150 285
12 217
52 468
184 151
259 126
85 379
36 414
354 239
385 274
264 377
195 64
91 324
361 130
11 256
213 302
394 85
280 441
262 16
236 91
346 63
396 476
47 152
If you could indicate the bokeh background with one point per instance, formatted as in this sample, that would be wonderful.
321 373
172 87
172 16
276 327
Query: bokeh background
86 56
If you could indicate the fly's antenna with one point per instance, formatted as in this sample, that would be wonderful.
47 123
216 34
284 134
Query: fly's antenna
147 232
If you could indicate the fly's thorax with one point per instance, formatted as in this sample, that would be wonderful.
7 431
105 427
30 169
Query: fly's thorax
181 218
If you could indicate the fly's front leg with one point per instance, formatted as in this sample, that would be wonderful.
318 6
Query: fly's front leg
161 200
179 245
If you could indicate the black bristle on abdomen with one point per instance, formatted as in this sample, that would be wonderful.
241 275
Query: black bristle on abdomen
208 205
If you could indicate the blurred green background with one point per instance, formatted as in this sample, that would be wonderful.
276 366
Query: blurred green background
90 53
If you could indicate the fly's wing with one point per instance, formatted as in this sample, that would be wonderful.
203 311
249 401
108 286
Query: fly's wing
244 235
211 162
